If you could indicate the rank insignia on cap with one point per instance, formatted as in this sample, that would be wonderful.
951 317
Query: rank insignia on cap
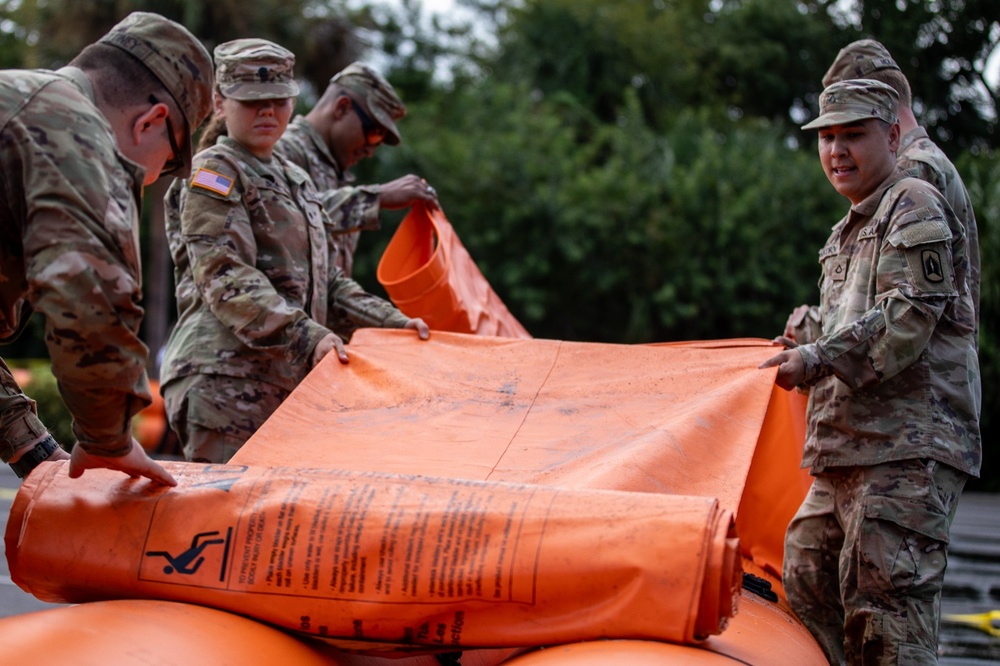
212 181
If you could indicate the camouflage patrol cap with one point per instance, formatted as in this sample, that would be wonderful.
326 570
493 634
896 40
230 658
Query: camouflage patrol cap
177 59
249 69
377 94
857 60
855 99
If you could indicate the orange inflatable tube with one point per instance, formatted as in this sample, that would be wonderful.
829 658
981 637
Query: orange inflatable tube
428 273
762 633
127 632
381 561
150 632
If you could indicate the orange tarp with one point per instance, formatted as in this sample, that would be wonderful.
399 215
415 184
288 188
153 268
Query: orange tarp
680 419
428 273
695 418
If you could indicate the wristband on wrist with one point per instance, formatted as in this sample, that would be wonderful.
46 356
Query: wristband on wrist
39 452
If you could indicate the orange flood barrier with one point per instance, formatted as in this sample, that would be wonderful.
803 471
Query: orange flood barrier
697 420
428 273
689 419
376 559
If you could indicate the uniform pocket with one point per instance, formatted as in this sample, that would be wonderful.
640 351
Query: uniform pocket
915 655
903 545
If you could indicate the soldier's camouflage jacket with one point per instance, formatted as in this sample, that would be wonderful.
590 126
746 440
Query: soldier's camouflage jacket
895 374
920 157
256 286
351 209
69 248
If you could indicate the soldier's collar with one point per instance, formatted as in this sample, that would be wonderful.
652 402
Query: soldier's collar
870 203
324 150
81 80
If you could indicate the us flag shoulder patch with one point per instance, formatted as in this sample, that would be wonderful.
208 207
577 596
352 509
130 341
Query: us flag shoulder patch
212 181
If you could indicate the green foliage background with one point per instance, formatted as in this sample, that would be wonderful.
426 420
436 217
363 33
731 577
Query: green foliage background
623 171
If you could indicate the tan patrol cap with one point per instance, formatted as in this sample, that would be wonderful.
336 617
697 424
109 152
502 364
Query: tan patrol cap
856 99
377 94
857 60
177 59
249 69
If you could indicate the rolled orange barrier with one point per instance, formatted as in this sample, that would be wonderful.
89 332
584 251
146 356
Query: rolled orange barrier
374 561
428 273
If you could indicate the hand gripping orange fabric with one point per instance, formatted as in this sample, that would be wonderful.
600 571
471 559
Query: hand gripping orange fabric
383 561
428 273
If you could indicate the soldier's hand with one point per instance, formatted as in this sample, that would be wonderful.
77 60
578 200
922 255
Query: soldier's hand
791 368
326 345
787 343
405 192
422 329
135 463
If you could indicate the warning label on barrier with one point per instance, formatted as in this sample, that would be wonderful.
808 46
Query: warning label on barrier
340 535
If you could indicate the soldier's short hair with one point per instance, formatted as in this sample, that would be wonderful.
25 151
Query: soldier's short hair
122 81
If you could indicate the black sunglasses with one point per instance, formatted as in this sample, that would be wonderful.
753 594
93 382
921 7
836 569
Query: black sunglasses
176 162
374 133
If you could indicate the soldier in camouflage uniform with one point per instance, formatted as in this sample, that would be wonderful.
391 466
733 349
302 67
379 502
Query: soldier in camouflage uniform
918 156
892 422
258 291
356 114
77 146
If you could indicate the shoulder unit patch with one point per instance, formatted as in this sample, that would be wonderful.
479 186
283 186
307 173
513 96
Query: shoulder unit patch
933 269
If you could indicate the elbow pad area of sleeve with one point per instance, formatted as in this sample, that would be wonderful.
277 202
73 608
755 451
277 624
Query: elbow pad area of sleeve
847 352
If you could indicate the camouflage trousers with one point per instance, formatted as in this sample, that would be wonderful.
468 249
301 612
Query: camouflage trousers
214 415
19 426
865 558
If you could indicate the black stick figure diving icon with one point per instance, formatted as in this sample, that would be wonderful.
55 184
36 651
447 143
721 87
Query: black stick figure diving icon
190 559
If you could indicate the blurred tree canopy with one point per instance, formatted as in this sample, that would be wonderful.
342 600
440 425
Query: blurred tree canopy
621 170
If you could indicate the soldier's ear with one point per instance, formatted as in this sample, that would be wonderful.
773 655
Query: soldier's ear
893 133
217 104
154 116
341 108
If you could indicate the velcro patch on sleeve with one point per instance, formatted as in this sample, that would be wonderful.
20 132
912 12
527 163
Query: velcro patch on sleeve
212 181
